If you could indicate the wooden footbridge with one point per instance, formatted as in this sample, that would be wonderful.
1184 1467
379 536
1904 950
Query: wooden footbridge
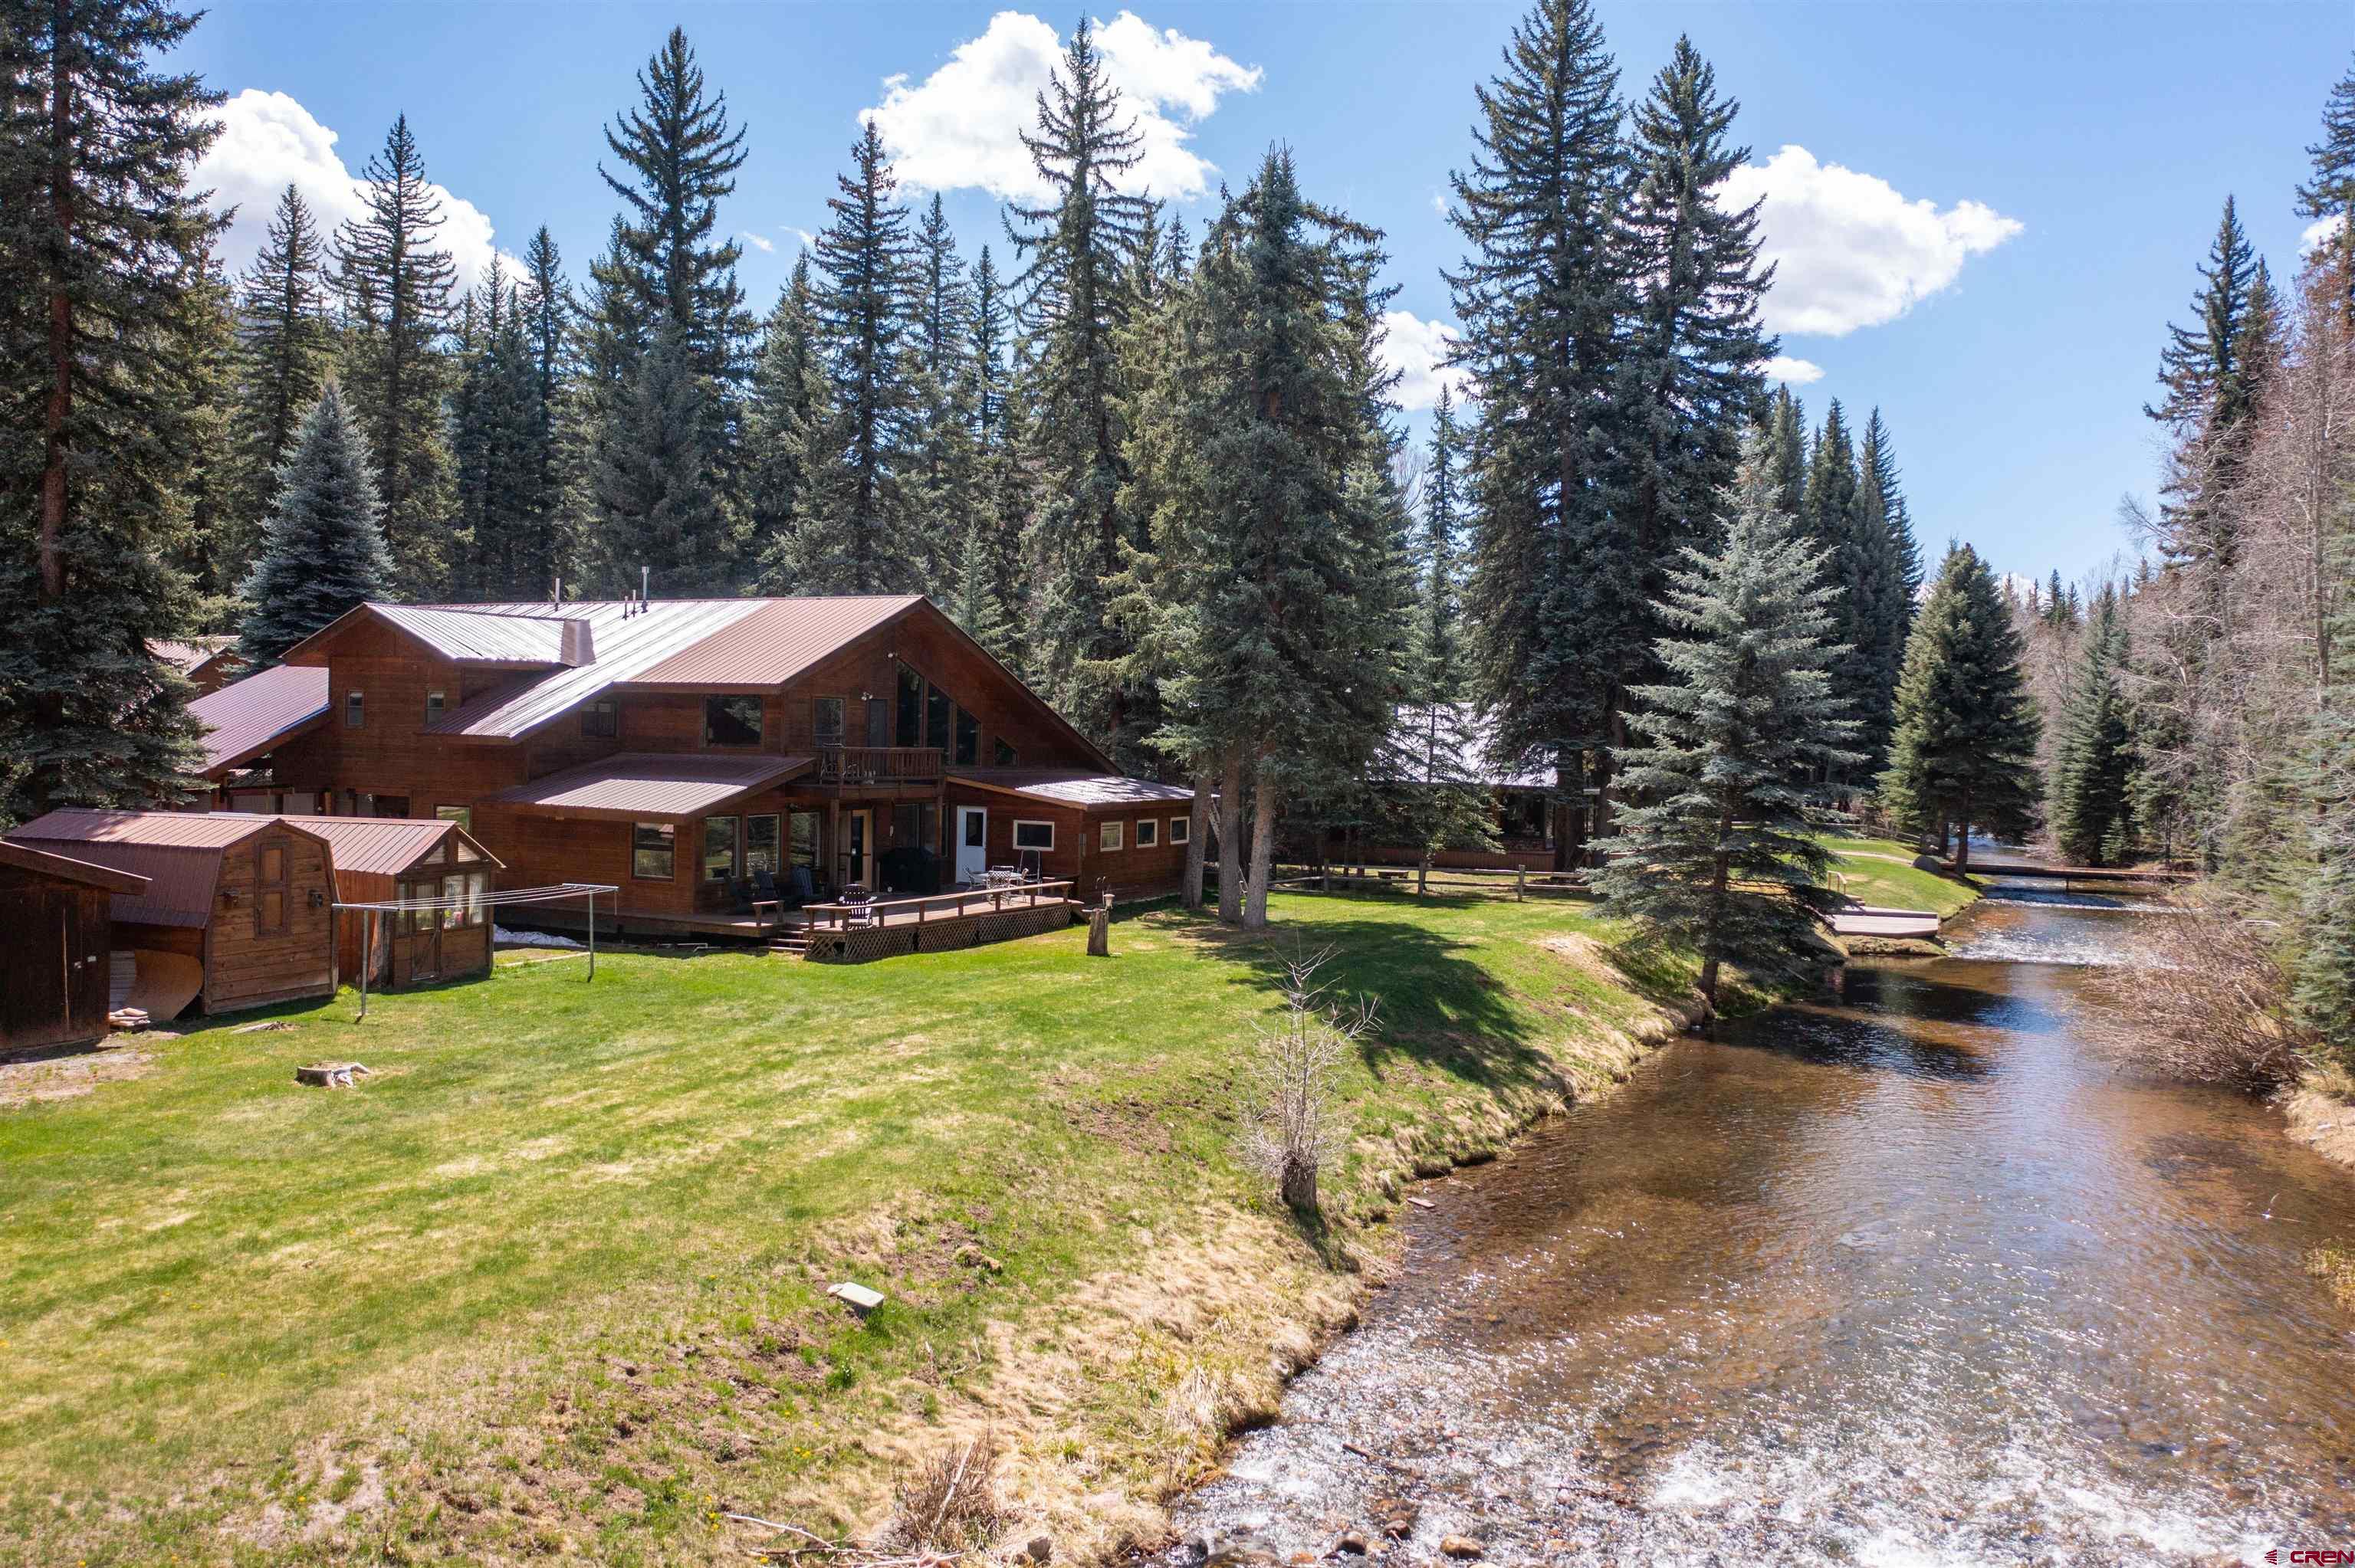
2089 876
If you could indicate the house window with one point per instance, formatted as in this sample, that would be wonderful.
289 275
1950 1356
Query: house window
1003 755
435 704
719 848
825 720
805 828
911 824
911 708
760 845
269 891
355 710
461 815
1108 837
601 718
1147 833
1034 835
879 721
937 708
1181 829
731 721
651 851
968 739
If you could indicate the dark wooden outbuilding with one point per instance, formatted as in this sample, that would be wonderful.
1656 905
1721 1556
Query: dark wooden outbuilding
56 927
381 860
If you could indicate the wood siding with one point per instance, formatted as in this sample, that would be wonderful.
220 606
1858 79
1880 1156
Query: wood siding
56 935
246 966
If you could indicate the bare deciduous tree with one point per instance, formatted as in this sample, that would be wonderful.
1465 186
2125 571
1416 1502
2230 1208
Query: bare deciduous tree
1293 1123
2201 997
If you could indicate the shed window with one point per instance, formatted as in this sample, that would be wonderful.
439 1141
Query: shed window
825 719
435 704
1108 837
269 891
1149 832
911 708
1004 754
651 852
355 710
968 739
1181 829
601 718
719 848
461 815
1034 835
731 721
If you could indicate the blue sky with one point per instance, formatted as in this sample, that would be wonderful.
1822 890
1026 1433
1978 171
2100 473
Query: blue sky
1989 214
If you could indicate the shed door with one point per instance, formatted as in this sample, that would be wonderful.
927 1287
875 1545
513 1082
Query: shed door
57 992
89 919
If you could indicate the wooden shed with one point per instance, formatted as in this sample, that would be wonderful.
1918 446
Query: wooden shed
381 860
250 898
56 927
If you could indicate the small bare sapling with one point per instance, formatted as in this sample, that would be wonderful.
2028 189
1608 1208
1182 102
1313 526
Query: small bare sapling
1294 1110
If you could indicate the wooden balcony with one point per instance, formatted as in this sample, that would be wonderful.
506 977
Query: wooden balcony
877 766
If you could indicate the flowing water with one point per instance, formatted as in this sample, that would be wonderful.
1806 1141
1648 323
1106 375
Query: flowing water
1904 1277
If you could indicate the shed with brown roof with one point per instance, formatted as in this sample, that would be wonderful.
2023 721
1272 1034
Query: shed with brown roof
248 897
56 926
383 860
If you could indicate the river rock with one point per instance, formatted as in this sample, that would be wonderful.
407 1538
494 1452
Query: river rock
1040 1550
1460 1546
1352 1542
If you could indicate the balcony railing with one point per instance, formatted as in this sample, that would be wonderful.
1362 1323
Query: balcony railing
852 765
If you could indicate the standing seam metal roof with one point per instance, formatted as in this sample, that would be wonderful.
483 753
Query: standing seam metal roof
652 784
179 853
627 644
66 868
385 845
255 715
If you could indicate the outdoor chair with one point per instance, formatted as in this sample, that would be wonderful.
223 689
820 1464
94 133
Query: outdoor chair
803 885
762 900
861 901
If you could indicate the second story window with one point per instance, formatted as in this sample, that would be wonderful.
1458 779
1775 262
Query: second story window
968 739
435 704
601 718
355 710
731 721
825 720
911 730
1003 755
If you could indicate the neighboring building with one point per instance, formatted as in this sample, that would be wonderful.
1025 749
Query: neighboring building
678 749
57 928
247 898
211 663
1524 825
245 721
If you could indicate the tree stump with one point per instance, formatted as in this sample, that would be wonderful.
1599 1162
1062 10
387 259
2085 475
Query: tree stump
1100 930
330 1074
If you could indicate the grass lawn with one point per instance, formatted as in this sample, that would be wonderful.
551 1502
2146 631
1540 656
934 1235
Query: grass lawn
552 1279
1882 871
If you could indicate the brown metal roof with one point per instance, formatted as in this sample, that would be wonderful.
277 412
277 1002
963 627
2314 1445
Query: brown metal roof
778 641
651 784
183 829
179 853
191 652
388 845
64 868
625 642
1093 791
259 714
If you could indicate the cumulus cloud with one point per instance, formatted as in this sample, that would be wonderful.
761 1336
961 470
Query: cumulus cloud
2312 238
269 141
962 126
1416 348
1850 251
1792 372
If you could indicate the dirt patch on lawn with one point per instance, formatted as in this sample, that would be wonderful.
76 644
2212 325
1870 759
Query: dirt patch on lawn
47 1073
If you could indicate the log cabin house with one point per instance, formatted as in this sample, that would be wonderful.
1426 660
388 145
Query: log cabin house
247 899
1532 828
680 749
56 927
208 663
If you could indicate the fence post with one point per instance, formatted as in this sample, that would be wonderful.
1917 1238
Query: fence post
1521 882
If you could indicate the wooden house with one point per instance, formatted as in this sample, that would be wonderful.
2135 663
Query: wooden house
383 860
245 722
680 749
247 898
57 928
1532 827
208 663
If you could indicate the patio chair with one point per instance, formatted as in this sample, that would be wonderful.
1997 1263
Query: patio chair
861 901
761 897
801 886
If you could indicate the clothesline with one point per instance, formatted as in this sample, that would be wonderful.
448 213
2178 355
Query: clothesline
469 902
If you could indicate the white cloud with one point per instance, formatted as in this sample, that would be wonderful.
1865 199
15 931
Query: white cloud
1850 251
2311 238
809 241
759 242
268 141
1792 372
1416 348
1439 203
961 126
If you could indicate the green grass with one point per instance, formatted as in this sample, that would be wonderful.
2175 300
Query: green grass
1881 871
553 1278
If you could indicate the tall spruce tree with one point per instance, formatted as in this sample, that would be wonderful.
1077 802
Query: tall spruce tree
1002 500
102 246
2330 192
212 534
1075 247
494 442
945 454
547 311
1435 751
2209 394
323 551
1555 589
1891 578
1280 581
1785 456
395 285
652 476
285 348
795 472
1717 855
2091 793
973 602
1964 750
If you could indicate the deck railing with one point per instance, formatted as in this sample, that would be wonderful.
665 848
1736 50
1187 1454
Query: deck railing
879 763
937 905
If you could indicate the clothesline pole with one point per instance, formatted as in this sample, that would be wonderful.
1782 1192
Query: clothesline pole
593 933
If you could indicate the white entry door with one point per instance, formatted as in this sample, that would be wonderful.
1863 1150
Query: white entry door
973 843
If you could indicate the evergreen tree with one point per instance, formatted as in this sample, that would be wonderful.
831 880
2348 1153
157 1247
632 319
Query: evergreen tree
1692 382
323 551
285 347
2330 192
102 246
213 537
795 472
945 456
1885 540
651 472
876 541
2209 395
546 310
1963 751
2091 802
1002 501
1444 802
1717 857
494 443
395 287
1785 455
1076 246
1555 589
973 600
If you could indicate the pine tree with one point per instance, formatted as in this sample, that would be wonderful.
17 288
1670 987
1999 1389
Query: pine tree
791 421
1445 803
547 311
651 475
1885 531
946 456
2330 192
323 552
494 442
395 287
1555 589
102 246
1964 750
213 536
284 345
1692 382
865 313
973 602
1002 479
1785 459
1075 247
2090 794
1717 857
2209 395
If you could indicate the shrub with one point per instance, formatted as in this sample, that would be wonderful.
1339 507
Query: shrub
1292 1124
2201 996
